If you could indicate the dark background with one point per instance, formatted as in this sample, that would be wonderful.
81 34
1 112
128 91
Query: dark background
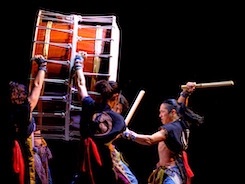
163 45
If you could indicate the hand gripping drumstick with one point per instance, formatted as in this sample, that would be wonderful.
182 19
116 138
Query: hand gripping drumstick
134 106
212 84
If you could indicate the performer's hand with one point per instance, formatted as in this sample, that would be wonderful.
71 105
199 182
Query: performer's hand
190 87
39 59
41 62
83 54
79 60
129 135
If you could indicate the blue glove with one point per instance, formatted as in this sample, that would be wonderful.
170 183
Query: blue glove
78 60
41 62
129 135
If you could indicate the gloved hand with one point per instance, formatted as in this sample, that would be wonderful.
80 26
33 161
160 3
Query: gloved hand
41 62
129 135
79 60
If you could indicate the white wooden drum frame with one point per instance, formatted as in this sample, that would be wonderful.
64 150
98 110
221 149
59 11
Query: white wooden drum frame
58 37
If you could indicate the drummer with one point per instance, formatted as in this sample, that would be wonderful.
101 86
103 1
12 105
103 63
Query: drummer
99 126
20 125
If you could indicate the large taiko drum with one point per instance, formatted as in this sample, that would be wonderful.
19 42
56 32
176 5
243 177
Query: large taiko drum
58 47
59 37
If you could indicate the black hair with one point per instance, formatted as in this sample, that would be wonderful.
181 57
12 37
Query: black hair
184 112
18 92
18 108
107 88
171 104
124 102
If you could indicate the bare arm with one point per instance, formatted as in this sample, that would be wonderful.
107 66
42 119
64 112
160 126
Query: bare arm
38 81
145 139
80 78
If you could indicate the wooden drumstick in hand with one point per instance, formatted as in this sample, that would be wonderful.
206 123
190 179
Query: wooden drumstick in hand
212 84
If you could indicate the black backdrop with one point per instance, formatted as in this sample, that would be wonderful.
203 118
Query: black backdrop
162 46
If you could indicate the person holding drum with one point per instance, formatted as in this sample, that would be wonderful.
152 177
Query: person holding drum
121 167
20 103
99 127
172 139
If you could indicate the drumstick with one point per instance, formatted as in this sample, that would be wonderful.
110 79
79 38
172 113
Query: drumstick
212 84
134 106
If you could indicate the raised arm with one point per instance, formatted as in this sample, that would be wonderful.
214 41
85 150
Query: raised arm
38 81
186 92
79 75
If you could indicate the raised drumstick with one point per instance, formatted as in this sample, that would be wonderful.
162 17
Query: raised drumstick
212 84
134 106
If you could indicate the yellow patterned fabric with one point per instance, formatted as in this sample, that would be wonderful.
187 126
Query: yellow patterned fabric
31 159
156 176
121 176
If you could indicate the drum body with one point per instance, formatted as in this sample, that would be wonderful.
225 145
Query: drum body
59 37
